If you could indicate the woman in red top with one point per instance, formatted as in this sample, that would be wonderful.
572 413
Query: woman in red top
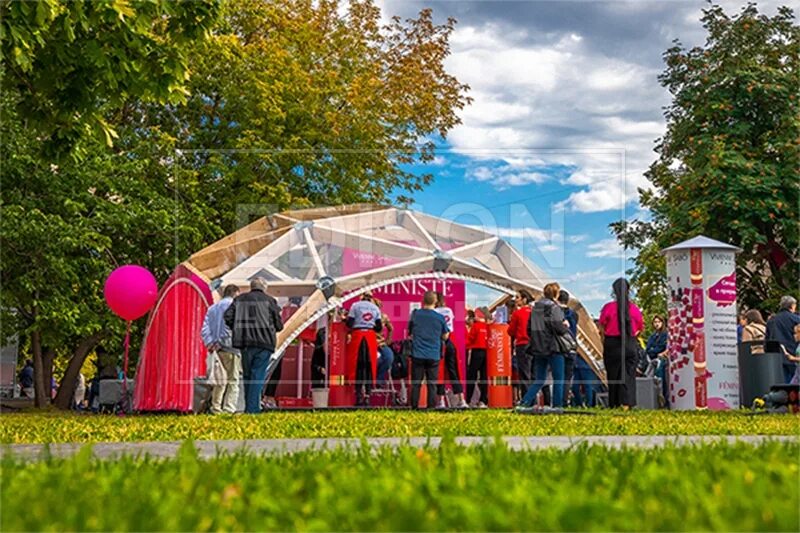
477 341
518 331
620 322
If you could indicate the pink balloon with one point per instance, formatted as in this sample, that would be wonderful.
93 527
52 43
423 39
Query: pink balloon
130 291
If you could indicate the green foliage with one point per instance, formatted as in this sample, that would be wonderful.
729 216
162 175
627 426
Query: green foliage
716 487
728 164
46 428
66 226
75 59
293 104
288 104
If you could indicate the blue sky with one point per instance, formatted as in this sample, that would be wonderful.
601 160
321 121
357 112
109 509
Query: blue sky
575 248
567 109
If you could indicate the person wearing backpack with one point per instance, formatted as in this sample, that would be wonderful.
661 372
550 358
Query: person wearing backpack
546 323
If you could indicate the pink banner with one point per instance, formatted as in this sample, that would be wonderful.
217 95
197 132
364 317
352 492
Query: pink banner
399 299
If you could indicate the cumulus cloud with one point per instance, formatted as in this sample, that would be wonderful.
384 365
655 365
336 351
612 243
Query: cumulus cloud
565 83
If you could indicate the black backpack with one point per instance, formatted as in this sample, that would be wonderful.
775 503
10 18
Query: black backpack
402 351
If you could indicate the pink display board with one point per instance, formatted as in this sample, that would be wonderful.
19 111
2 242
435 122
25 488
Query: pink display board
402 297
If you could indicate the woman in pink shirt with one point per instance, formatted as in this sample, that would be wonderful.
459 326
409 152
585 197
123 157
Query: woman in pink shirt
620 322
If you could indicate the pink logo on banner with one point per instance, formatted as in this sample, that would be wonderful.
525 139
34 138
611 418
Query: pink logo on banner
723 292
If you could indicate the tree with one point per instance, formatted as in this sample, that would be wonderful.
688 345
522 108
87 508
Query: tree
293 104
65 227
728 165
74 59
289 104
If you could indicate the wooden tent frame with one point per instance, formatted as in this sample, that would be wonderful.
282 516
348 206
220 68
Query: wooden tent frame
478 257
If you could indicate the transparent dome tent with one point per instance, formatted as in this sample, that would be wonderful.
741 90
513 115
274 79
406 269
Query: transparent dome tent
322 257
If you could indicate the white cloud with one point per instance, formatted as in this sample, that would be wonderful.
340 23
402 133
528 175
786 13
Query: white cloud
595 275
557 101
505 176
577 238
605 248
592 294
485 110
539 235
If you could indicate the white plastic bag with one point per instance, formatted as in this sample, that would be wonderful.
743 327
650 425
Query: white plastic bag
216 375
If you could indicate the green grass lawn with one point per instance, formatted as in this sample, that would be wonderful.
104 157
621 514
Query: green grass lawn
718 487
58 427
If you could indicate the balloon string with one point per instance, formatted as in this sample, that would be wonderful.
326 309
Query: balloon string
125 368
127 344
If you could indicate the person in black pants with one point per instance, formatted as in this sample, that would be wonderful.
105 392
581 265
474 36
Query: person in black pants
620 322
477 342
569 358
450 358
269 401
427 330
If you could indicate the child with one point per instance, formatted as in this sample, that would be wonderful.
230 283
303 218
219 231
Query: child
796 357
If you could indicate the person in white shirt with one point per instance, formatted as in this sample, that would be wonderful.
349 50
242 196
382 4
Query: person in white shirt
450 359
364 321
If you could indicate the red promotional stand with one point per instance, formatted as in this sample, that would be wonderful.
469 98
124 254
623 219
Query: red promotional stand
341 394
498 362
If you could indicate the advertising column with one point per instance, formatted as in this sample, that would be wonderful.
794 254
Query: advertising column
703 368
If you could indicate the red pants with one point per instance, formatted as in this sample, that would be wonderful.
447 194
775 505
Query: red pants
362 343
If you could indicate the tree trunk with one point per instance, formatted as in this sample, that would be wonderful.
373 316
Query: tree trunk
48 356
41 395
67 389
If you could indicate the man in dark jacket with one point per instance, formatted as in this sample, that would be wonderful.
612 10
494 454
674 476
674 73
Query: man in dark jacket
254 318
780 328
26 379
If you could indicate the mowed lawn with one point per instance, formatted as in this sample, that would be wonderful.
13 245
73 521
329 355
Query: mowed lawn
709 487
58 427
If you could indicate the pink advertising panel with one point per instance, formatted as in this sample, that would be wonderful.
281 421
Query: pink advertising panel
401 298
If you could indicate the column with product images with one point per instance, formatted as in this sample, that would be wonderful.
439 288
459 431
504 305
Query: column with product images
697 339
703 365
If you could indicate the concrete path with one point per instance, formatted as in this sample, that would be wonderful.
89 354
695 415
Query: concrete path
209 449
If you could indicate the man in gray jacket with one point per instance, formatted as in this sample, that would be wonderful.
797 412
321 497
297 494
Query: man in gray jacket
218 338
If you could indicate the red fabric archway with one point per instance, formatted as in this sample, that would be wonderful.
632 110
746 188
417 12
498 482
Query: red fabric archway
173 354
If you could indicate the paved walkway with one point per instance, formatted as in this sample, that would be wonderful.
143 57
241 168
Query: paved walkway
210 448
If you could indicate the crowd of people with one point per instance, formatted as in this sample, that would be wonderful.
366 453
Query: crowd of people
240 330
547 368
782 329
240 333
